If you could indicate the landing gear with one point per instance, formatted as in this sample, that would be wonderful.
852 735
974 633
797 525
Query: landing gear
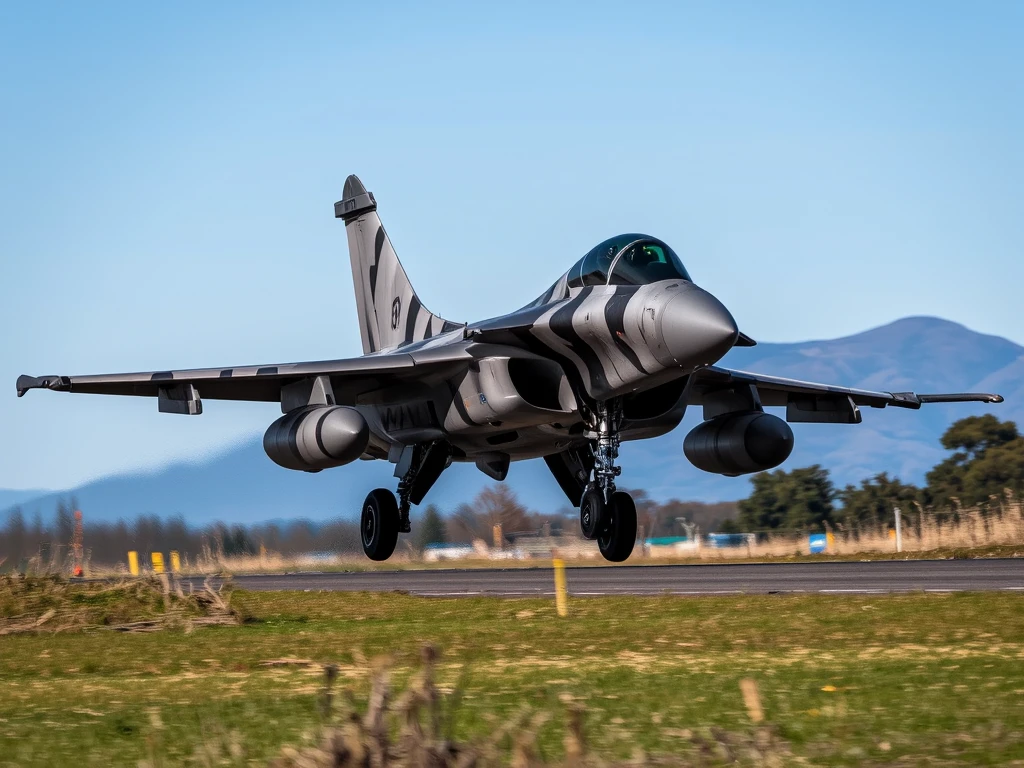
609 419
613 524
618 534
384 516
606 514
417 470
379 524
592 513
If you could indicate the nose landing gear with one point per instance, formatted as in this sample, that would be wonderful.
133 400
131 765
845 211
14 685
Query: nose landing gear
613 524
606 514
618 534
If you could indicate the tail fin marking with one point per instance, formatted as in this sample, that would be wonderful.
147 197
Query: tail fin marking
390 312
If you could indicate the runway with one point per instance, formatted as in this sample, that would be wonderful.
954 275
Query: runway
720 579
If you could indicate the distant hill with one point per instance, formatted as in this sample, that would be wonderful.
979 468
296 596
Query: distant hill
243 485
924 354
9 498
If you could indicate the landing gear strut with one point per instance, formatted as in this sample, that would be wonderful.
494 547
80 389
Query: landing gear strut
403 506
606 514
609 419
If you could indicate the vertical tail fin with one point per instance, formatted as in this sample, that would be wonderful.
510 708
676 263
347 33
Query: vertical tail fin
390 312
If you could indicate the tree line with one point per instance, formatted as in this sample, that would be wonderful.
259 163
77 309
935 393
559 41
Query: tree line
38 543
48 543
986 463
498 506
986 460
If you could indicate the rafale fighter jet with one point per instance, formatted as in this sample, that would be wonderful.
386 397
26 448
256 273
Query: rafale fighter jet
615 350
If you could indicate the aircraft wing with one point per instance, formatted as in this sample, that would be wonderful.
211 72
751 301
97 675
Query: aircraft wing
811 402
354 380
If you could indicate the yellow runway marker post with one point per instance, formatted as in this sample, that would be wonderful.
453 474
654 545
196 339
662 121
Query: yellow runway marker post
175 562
157 560
561 595
133 563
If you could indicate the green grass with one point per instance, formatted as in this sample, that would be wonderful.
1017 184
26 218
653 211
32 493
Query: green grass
852 680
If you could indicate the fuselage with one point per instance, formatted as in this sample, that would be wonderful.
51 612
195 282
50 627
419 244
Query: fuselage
533 374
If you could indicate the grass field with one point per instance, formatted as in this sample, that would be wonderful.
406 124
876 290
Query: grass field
897 679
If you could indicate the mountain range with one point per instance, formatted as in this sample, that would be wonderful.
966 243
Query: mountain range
923 354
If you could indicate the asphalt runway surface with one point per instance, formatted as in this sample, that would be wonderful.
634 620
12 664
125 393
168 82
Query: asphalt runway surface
720 579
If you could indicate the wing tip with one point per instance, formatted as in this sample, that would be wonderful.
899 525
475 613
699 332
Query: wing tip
962 397
56 383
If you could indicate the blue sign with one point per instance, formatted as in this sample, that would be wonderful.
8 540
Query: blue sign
721 540
818 543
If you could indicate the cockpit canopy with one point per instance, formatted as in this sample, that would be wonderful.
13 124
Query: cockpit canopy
629 259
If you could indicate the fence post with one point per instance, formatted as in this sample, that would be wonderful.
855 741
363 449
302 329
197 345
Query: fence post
133 563
899 530
561 598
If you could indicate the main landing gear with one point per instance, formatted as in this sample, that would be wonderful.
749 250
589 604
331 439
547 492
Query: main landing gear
383 516
379 523
606 514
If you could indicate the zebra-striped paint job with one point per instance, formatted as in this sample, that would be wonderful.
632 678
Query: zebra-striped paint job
390 313
424 378
613 339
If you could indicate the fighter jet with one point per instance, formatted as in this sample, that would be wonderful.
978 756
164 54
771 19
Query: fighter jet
616 349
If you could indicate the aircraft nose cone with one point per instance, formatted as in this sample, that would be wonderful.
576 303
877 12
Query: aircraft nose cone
695 329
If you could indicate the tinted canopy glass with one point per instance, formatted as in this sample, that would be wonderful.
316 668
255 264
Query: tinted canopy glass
644 260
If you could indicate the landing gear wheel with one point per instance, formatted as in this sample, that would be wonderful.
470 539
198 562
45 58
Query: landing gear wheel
378 524
618 532
593 511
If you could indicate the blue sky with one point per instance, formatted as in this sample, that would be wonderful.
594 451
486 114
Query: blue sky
168 175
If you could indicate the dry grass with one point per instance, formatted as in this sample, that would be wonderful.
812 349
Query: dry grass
995 531
965 530
414 730
32 605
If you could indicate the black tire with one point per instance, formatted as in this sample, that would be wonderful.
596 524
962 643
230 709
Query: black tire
592 513
378 524
618 534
